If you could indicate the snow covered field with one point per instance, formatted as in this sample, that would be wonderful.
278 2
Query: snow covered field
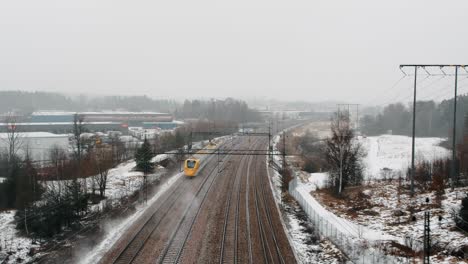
122 181
378 222
394 153
307 245
11 242
113 229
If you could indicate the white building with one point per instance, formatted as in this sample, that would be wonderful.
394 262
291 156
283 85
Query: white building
142 133
38 144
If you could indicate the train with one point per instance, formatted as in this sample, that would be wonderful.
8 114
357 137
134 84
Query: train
192 165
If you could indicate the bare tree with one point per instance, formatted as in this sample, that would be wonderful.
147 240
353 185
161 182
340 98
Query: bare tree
118 149
13 136
78 129
157 146
343 154
59 159
103 162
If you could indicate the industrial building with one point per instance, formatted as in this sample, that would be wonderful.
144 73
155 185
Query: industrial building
62 122
63 127
36 144
129 118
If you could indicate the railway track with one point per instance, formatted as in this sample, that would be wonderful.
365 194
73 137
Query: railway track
229 242
133 248
219 216
173 249
260 194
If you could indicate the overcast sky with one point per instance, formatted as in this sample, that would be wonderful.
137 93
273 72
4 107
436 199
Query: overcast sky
292 50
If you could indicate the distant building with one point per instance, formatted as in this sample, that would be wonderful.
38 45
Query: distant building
128 118
294 114
37 144
64 127
162 125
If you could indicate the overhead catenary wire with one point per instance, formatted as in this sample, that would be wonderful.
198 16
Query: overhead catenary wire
399 94
445 91
423 78
393 86
426 96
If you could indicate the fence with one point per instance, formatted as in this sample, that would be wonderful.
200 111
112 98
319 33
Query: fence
350 241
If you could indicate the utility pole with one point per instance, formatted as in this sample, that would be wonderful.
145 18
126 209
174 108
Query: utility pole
284 152
427 238
340 147
269 143
358 127
427 235
145 187
348 106
454 133
218 161
413 131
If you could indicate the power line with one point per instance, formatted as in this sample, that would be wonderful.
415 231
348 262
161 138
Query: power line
394 85
440 67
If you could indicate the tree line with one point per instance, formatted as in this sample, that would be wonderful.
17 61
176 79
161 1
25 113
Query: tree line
57 194
218 110
214 110
28 102
53 195
432 119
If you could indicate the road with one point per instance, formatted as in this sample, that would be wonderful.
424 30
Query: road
226 214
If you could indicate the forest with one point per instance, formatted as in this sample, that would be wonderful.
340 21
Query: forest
433 119
27 102
232 110
216 110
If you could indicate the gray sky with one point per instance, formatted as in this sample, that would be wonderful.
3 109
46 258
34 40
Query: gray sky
292 50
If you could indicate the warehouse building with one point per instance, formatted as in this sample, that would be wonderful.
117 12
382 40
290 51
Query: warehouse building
37 144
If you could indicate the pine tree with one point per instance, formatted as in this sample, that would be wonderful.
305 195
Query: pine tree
462 220
179 139
143 158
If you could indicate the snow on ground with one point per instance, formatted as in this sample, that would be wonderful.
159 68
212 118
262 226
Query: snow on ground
308 247
379 221
383 202
11 241
394 152
122 181
341 224
114 229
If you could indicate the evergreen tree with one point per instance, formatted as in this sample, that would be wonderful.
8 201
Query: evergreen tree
462 220
179 139
143 158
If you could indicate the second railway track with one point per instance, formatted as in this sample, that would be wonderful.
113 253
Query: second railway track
218 216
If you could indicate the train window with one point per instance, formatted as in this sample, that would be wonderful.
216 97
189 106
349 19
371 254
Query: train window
190 164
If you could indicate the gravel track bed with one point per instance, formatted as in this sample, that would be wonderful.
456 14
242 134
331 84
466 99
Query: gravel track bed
203 246
224 217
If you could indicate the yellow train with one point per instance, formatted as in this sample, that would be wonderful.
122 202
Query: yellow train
192 165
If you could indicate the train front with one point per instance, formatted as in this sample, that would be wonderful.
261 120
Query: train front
191 167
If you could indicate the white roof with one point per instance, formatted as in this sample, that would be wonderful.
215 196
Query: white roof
38 113
36 135
60 123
